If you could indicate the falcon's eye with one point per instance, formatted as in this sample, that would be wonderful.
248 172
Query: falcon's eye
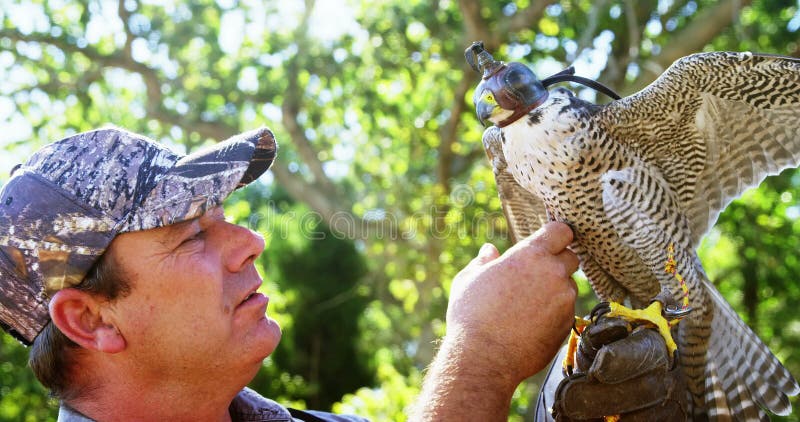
489 98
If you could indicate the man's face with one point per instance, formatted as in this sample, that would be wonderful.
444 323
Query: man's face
193 306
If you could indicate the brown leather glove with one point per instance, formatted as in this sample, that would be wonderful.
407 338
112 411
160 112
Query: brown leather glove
618 373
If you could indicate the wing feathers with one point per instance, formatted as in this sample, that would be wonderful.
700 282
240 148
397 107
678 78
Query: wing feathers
741 163
716 124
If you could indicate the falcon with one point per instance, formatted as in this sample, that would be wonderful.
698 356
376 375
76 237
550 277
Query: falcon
640 180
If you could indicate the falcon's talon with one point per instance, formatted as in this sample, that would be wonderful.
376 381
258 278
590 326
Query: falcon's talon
578 325
651 315
675 358
675 313
599 310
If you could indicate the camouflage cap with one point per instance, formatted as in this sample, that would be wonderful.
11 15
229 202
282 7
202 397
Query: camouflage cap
61 209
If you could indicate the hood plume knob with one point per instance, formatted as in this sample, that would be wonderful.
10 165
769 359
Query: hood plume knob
481 61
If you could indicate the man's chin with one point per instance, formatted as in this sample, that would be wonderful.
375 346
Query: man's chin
265 338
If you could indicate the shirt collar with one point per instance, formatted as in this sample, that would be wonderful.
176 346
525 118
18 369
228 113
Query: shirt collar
246 406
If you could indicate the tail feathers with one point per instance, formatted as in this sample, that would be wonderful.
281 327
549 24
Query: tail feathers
729 399
734 382
746 370
733 404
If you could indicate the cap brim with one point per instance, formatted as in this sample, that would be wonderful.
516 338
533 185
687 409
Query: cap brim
202 180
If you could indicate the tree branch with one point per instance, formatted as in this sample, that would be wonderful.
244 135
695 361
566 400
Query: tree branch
634 31
449 132
291 105
475 28
527 17
674 8
705 25
587 35
630 40
124 15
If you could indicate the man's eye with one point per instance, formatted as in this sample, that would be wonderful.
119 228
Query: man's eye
196 236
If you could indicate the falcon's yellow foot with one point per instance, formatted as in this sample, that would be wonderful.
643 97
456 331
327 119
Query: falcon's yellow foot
568 364
614 418
651 315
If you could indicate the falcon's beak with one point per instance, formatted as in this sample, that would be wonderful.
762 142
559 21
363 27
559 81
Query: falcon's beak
484 111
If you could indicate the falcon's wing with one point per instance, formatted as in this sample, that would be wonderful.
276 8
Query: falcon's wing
715 124
524 211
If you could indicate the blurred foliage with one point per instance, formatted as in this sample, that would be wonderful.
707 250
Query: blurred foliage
320 277
22 398
380 154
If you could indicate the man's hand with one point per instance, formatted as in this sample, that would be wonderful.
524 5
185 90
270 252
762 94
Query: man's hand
516 309
506 317
618 373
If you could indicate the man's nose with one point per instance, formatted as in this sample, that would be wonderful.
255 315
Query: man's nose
243 246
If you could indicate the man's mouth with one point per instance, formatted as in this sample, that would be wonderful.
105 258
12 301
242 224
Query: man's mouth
248 297
253 293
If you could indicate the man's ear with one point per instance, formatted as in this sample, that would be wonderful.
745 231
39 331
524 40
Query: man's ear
81 317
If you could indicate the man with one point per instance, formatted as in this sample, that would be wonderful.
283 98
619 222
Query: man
140 300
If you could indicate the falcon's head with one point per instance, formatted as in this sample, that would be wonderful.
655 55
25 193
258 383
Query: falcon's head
507 91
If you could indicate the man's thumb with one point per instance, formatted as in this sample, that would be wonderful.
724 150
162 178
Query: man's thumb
487 253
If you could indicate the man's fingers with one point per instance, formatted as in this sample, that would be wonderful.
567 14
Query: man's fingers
573 285
487 253
570 261
554 237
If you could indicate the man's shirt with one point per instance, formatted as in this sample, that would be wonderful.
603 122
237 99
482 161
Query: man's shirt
247 406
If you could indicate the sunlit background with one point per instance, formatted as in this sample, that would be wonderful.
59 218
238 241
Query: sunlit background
381 192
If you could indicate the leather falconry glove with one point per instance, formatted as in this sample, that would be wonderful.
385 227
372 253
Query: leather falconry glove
620 373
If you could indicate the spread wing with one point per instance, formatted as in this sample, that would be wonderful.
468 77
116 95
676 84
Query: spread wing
524 211
715 124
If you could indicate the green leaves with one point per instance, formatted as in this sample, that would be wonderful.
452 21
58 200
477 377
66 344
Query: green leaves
379 149
22 398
